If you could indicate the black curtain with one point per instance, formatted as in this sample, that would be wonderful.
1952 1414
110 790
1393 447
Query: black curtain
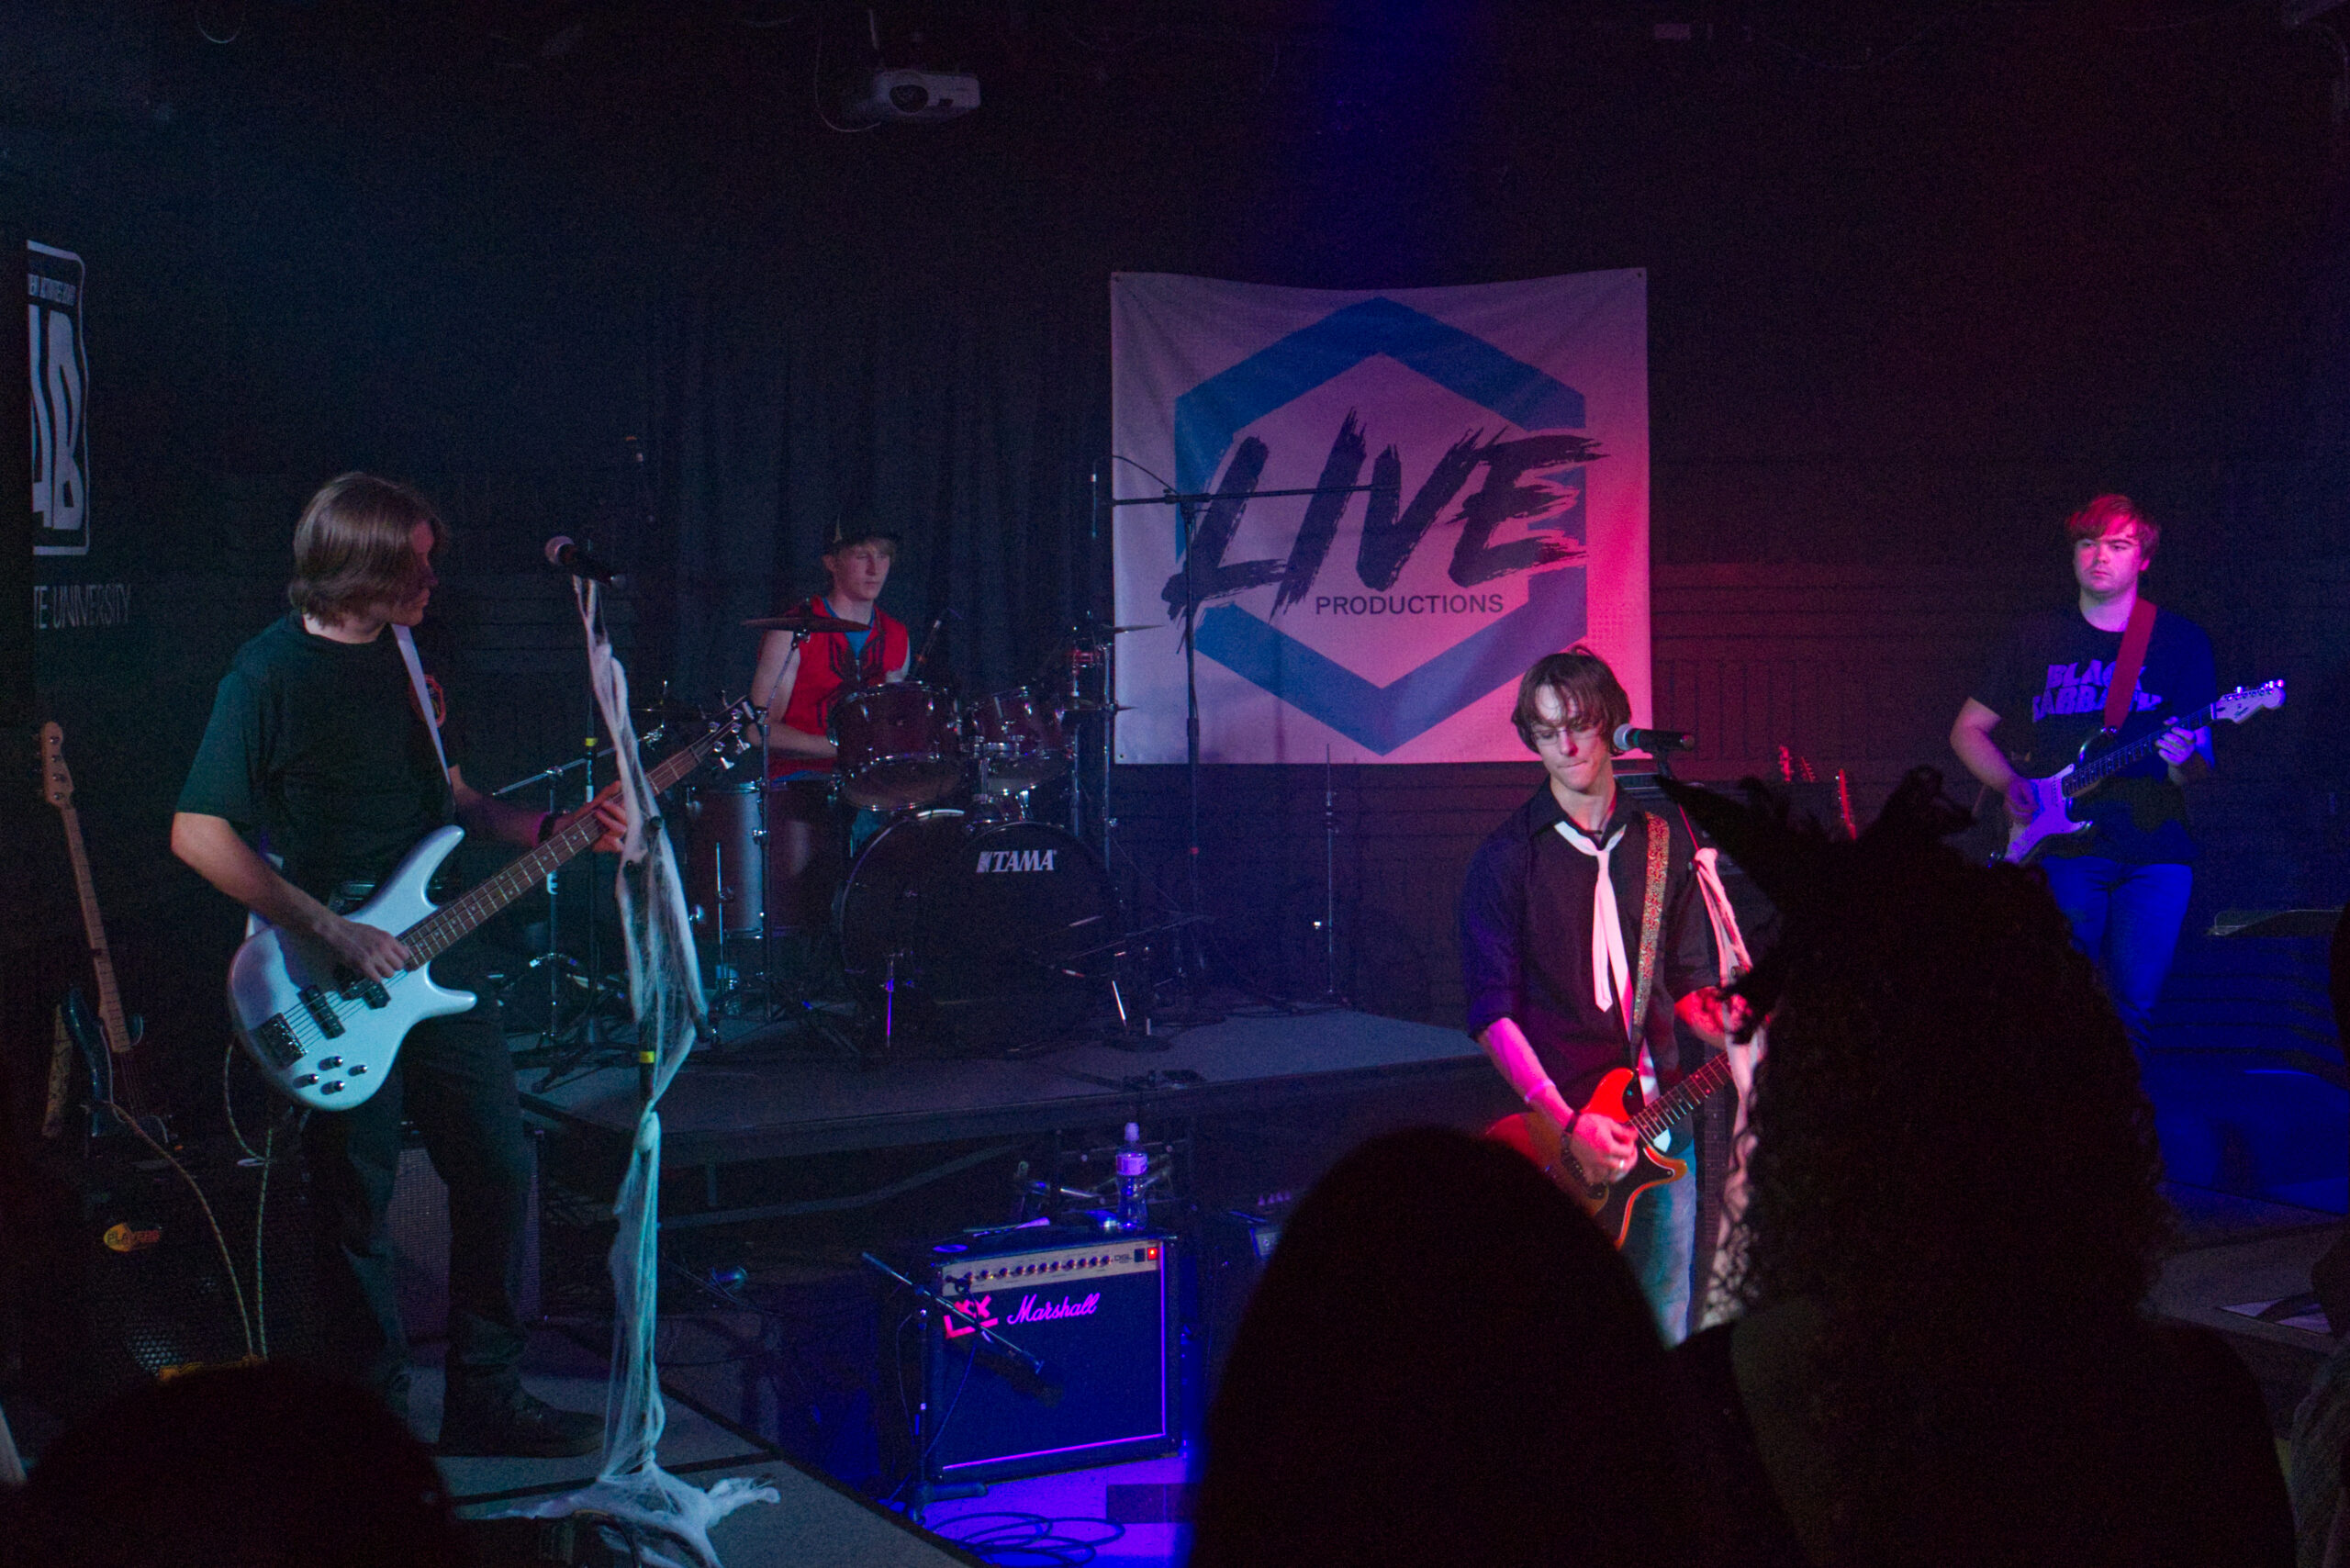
963 411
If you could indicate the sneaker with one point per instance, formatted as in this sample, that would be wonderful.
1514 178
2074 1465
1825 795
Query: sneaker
516 1424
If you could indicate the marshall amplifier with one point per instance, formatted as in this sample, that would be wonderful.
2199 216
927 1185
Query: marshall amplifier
1096 1312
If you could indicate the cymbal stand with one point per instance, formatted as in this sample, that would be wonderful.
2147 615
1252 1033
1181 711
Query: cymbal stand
1192 952
783 998
1330 993
553 960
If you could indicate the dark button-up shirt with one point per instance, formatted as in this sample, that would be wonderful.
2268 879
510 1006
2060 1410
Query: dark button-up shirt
1526 914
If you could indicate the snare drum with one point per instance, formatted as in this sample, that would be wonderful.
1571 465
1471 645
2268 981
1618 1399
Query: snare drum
898 745
1017 740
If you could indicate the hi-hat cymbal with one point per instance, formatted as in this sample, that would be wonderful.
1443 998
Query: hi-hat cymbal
805 621
1097 707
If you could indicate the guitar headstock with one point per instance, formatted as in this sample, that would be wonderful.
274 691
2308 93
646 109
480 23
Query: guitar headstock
2244 702
56 782
730 736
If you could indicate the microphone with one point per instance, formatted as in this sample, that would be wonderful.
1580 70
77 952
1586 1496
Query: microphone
930 641
581 562
1656 743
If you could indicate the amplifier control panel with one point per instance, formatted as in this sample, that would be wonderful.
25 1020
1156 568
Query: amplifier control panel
1091 1260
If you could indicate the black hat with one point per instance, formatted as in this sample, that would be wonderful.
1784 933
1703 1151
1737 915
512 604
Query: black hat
857 531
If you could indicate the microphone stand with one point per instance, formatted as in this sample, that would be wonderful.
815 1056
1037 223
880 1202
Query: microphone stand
924 1492
1183 514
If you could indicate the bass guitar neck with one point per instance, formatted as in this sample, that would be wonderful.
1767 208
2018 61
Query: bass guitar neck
116 1037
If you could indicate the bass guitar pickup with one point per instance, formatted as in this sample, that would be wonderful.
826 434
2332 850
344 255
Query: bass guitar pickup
322 1010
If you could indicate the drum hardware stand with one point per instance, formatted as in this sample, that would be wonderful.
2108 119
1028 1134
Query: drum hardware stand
1331 995
1192 952
554 960
783 999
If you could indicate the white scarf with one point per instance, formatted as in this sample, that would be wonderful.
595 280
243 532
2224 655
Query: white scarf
1610 973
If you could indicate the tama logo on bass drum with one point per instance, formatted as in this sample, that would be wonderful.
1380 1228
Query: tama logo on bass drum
993 860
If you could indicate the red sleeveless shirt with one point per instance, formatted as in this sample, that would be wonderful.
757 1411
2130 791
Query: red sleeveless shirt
826 667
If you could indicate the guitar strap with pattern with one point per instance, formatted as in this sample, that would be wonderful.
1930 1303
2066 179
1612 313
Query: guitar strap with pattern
1651 923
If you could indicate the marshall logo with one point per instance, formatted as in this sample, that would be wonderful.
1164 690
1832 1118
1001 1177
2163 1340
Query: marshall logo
977 1312
1030 1310
1015 860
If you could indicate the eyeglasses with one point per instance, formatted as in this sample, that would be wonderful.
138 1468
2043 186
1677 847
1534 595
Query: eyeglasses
1545 735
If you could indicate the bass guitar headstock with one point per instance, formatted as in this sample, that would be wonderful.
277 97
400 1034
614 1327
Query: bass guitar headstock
730 736
2244 702
56 782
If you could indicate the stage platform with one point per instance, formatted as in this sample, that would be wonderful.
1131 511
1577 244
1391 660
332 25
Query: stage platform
746 1101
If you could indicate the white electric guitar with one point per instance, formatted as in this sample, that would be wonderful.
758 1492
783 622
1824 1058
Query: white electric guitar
327 1036
2100 759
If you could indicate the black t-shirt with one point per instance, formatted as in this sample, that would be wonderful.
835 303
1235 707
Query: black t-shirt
2051 679
319 745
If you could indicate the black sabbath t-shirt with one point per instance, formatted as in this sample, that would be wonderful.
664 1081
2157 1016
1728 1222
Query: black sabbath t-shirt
2048 687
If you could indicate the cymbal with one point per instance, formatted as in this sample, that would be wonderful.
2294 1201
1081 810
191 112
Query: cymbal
1097 707
805 621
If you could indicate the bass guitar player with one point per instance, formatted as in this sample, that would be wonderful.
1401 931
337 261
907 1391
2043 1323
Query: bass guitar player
325 738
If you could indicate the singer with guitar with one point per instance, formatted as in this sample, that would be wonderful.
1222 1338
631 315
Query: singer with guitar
2123 882
320 743
798 680
1579 913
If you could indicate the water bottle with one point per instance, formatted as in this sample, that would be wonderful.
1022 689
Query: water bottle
1134 1171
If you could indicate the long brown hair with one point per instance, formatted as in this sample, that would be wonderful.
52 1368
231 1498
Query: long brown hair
352 547
1584 682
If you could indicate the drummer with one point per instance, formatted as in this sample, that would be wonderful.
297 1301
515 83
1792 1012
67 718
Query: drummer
798 681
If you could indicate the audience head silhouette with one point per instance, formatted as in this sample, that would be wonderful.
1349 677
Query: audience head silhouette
249 1467
1445 1362
1954 1215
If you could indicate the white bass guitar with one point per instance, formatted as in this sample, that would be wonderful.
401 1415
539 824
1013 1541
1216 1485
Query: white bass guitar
2100 759
327 1036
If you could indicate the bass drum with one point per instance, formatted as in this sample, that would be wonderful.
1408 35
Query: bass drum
984 931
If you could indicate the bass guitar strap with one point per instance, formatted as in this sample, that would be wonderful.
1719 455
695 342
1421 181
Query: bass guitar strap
2127 665
423 693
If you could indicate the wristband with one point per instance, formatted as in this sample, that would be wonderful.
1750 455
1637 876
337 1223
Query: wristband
1536 1091
546 827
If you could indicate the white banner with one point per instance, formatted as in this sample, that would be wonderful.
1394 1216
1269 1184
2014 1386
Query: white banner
1501 430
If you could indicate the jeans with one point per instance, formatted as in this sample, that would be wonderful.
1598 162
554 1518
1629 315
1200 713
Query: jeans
455 1080
2126 918
1660 1246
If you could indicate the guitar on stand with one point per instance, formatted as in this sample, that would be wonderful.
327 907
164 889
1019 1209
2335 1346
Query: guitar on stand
2100 759
326 1035
108 1042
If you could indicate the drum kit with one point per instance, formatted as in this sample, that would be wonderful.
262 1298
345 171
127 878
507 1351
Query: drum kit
961 917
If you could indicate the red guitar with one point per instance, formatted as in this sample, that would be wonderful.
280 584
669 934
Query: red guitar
1611 1203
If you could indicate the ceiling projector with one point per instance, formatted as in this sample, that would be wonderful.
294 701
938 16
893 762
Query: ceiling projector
910 96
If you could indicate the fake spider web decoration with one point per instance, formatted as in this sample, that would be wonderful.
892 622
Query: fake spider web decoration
665 992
